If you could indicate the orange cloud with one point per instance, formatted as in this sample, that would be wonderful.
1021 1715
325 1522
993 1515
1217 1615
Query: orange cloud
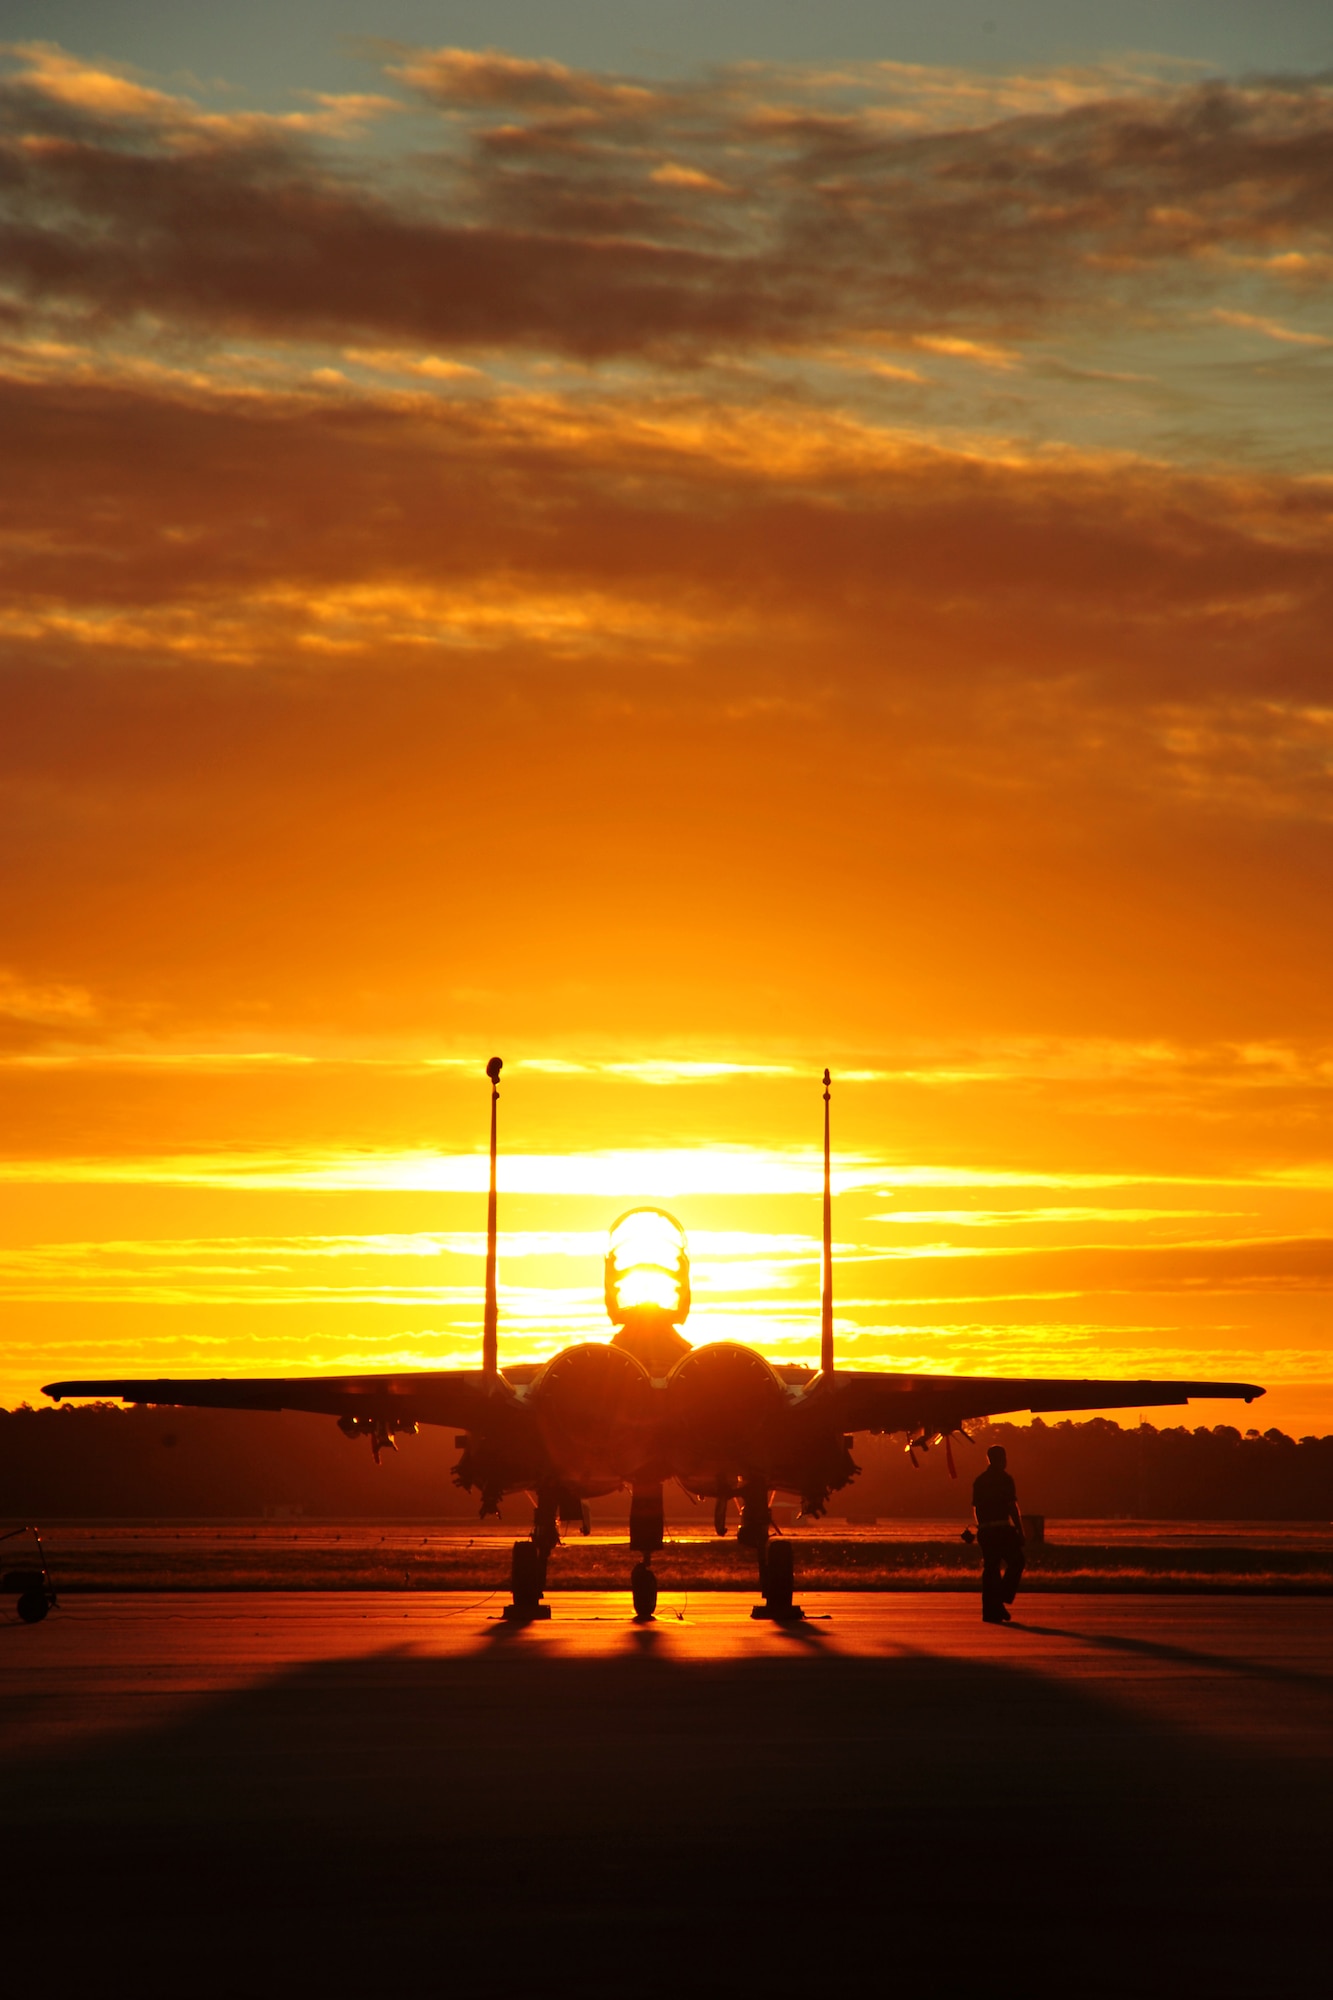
259 643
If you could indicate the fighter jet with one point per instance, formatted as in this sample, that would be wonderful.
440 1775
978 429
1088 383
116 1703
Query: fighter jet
646 1407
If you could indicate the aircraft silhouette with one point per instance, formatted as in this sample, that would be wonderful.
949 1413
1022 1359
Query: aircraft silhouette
647 1406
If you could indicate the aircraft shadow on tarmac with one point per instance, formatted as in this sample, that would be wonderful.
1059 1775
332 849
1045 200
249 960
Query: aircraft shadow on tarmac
1183 1656
514 1820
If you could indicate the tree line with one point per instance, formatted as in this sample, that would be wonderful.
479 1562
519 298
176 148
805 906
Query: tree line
100 1462
1098 1470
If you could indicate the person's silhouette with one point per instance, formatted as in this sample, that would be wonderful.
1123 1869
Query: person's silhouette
1000 1532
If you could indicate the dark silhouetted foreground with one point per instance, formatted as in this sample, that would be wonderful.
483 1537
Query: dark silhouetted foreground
628 1812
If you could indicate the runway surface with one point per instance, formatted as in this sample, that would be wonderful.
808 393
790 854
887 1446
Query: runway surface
314 1793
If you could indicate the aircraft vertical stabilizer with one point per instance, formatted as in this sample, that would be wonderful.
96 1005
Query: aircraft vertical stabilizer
826 1311
490 1338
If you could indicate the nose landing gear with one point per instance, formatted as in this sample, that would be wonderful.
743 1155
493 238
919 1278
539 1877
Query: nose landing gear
643 1590
647 1532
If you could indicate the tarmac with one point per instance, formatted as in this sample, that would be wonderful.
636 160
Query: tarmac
264 1794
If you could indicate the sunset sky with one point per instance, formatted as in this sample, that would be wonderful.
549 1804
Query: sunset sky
676 544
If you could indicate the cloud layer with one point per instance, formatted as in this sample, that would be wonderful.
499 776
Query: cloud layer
558 211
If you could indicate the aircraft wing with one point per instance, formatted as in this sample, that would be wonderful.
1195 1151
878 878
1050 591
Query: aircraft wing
451 1396
867 1402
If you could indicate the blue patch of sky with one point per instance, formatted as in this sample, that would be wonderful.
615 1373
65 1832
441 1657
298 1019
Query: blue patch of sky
266 50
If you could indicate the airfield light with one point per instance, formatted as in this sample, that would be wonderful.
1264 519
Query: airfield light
647 1267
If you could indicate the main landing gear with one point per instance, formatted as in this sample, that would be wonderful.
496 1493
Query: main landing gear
777 1580
527 1583
527 1572
777 1570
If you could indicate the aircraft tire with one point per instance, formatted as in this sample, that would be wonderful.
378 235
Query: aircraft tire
526 1576
32 1606
643 1590
780 1578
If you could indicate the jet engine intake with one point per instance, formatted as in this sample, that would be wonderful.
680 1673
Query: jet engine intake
594 1409
725 1411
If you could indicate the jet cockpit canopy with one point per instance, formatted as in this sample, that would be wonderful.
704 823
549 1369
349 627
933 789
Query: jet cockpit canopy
647 1267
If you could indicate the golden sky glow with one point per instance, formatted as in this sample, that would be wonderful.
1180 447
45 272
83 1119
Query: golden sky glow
678 577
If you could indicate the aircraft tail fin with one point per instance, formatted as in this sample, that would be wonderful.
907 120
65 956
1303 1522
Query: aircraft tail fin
826 1309
490 1339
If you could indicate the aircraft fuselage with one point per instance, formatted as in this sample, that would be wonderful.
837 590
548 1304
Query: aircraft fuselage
720 1420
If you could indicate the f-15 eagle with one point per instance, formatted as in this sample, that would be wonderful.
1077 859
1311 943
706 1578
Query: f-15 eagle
646 1406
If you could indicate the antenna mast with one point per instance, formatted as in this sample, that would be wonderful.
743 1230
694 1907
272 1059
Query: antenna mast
826 1320
490 1359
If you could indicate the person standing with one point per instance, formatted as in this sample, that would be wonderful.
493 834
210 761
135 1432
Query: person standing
1000 1532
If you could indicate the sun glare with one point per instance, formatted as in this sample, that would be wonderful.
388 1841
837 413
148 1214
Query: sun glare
644 1286
647 1265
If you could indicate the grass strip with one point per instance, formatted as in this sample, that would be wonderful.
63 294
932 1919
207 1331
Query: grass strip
821 1564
